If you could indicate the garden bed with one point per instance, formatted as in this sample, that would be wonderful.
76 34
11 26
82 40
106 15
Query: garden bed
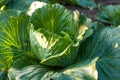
92 13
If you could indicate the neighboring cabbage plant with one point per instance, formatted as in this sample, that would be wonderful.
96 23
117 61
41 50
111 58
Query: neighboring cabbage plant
82 3
25 4
110 15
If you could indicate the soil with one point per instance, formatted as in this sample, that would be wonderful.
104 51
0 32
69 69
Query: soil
91 13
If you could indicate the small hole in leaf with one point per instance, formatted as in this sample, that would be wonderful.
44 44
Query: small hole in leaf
41 36
51 79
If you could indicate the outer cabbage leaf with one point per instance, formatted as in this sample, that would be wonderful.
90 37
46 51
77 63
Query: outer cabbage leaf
28 73
103 46
36 72
110 14
14 40
57 35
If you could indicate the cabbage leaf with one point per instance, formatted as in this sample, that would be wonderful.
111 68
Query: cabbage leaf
14 40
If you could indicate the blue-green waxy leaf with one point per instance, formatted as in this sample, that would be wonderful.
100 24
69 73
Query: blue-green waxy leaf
82 71
87 3
83 3
57 34
37 72
110 14
28 73
103 45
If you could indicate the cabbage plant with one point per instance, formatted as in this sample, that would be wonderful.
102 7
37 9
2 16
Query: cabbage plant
25 4
57 44
82 3
110 15
59 34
